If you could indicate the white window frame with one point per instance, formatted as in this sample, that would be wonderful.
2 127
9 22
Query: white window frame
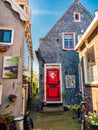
77 20
94 73
70 33
12 36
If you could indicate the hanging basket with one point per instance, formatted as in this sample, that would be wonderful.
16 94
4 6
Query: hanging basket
12 97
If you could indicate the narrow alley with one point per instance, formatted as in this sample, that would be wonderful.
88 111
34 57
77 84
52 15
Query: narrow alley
52 120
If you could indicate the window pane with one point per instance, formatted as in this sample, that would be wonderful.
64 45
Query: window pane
5 35
66 43
22 6
68 40
70 43
66 37
70 36
1 35
91 65
77 17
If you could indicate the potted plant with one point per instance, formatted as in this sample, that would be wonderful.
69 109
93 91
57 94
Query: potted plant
92 121
12 97
5 120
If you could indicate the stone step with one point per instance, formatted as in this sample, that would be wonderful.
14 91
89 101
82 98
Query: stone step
52 109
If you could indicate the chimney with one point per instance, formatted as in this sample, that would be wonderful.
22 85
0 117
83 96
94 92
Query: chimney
75 1
96 12
41 40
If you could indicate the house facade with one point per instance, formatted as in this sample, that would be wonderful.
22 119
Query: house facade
15 41
87 48
58 61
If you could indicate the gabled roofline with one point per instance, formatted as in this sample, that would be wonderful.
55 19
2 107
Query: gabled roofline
18 9
74 2
87 33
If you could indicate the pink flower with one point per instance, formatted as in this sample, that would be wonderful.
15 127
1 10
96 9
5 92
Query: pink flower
87 120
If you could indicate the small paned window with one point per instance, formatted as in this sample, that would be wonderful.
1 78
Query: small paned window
77 17
68 40
22 6
5 35
90 67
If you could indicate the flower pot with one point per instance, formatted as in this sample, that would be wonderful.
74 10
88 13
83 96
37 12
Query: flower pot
12 98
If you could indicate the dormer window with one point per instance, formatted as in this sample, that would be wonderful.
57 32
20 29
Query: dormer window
68 41
6 36
77 17
22 6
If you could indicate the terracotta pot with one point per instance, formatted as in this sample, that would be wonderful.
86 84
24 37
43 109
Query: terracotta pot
13 100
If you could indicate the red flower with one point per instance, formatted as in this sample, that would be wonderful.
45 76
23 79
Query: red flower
84 110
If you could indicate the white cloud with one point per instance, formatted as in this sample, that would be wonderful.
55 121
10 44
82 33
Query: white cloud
42 12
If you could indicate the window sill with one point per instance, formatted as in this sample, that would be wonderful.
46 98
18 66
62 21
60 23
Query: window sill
77 21
91 84
65 49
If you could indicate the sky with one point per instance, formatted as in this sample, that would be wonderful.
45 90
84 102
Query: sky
45 14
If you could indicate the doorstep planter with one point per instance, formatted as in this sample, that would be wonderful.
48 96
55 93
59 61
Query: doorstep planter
12 97
5 120
92 120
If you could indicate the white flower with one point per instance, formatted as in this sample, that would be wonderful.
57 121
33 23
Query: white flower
97 124
85 115
93 123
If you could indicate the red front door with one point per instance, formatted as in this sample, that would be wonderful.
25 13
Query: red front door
53 84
